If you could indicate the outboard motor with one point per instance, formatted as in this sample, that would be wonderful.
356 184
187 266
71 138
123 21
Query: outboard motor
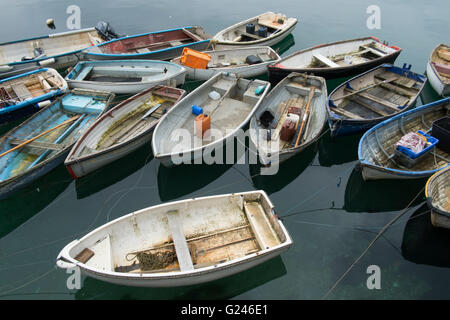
105 30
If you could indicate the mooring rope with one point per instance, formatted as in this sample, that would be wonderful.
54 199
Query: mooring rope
371 244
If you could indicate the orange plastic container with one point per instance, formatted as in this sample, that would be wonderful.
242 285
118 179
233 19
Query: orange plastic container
194 59
202 124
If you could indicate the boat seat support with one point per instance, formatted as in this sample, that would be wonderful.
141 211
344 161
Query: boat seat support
179 240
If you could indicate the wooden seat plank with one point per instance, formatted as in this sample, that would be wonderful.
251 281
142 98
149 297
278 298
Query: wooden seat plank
325 60
21 91
373 98
38 144
179 240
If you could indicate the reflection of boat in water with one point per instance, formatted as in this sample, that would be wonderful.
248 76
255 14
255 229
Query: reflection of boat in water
179 181
288 171
422 243
113 172
338 150
224 288
379 195
284 45
38 195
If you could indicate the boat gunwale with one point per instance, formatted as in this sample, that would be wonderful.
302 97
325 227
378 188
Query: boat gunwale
65 257
429 197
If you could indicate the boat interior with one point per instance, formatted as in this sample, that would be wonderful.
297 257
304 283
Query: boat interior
183 236
24 88
123 124
440 59
378 147
274 23
100 71
342 54
378 94
237 101
48 46
290 103
440 191
86 107
152 41
237 58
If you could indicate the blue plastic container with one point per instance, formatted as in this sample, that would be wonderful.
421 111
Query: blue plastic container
250 28
262 31
408 158
196 110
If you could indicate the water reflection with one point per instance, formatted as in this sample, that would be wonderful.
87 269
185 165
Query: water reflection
225 288
422 243
181 180
113 172
284 45
30 200
338 150
287 172
380 195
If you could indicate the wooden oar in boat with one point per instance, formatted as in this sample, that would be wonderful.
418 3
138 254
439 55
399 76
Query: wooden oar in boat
305 116
366 88
40 135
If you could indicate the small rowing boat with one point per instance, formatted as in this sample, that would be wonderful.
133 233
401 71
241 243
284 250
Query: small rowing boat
159 45
121 130
299 100
336 60
377 151
125 76
59 50
181 243
43 141
437 191
265 29
206 119
25 94
244 62
374 96
438 69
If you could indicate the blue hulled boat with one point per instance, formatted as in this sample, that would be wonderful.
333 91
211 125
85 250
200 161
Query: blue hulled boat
77 109
372 97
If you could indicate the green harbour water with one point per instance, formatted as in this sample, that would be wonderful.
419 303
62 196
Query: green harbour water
331 214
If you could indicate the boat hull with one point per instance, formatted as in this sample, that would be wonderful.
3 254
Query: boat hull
277 73
438 86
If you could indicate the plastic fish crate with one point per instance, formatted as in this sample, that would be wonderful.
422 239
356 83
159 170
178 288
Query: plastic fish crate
441 131
408 158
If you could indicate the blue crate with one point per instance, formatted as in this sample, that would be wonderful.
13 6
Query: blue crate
432 140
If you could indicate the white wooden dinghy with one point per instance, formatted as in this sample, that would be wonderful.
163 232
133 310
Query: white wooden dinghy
121 130
376 149
274 28
374 96
25 94
227 101
125 76
336 60
292 92
437 191
244 62
438 69
181 243
59 50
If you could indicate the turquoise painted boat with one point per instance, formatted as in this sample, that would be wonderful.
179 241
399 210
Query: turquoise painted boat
34 159
25 94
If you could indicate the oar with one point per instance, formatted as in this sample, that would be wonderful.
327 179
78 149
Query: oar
305 116
40 135
366 88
